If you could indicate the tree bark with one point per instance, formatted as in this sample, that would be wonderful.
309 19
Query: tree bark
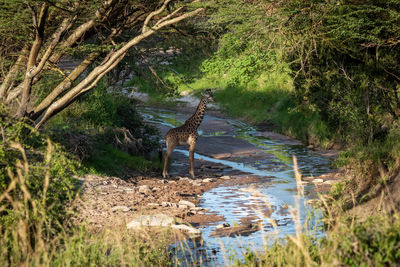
101 14
65 84
13 72
39 24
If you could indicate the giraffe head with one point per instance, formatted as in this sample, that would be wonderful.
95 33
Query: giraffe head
208 94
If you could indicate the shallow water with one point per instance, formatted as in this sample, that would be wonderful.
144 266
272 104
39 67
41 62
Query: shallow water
267 201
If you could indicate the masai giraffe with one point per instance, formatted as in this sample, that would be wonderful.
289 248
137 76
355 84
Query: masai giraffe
187 133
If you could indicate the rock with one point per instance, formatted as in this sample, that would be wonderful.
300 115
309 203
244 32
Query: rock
197 183
126 188
166 204
240 230
151 220
120 208
225 177
145 189
187 203
185 179
155 189
208 180
318 180
197 208
163 181
223 225
153 204
182 206
189 229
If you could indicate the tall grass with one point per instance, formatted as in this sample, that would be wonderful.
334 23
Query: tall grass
30 239
347 241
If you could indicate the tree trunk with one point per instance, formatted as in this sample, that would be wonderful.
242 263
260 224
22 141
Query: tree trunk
65 84
13 72
26 88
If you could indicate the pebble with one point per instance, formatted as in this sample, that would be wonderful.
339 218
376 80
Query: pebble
166 204
185 179
144 189
151 220
186 228
208 180
225 177
120 208
318 180
187 203
223 225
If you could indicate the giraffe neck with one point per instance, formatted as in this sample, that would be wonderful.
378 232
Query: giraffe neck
194 121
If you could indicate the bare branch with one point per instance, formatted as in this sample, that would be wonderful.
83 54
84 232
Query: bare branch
98 72
168 16
154 13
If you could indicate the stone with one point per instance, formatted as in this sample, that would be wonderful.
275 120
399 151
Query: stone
197 184
160 220
163 181
153 204
186 228
166 204
145 189
208 180
223 225
120 208
185 179
182 206
318 180
187 203
225 177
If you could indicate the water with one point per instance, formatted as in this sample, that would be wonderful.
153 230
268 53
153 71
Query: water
267 201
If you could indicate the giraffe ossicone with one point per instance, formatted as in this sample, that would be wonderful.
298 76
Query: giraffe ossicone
187 134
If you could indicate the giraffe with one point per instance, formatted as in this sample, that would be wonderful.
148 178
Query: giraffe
187 133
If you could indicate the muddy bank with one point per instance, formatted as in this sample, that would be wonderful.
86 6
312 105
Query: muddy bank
114 202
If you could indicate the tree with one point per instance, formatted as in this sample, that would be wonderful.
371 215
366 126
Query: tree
59 27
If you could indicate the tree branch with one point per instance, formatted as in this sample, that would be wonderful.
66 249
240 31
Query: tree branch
101 70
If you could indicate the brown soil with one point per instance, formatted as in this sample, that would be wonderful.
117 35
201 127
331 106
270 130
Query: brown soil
112 201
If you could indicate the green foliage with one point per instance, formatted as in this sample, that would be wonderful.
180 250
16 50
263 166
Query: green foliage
111 161
20 143
102 117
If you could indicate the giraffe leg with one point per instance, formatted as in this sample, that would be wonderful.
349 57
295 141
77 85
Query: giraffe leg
170 148
191 158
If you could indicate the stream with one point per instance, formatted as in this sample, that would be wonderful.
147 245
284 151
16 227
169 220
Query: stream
267 199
